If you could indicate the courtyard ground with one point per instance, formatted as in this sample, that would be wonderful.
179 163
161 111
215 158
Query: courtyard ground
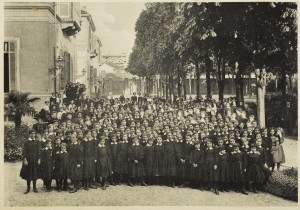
139 196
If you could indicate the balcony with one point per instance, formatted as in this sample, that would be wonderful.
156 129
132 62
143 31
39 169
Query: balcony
69 13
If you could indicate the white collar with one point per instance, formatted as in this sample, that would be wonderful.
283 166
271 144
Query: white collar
234 152
189 143
148 145
209 148
124 141
251 152
30 139
113 143
137 144
46 148
74 143
180 141
197 149
101 145
159 144
63 152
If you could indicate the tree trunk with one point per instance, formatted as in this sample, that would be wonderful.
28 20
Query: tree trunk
283 85
18 120
222 83
172 88
242 90
178 81
207 71
197 80
167 87
219 77
184 87
238 86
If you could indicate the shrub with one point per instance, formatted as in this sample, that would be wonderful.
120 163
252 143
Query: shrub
14 140
284 184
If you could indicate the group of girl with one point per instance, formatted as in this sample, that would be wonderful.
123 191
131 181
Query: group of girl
151 146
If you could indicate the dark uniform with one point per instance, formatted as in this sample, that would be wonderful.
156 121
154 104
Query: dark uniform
47 166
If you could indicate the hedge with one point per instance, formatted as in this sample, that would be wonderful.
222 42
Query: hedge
284 184
14 140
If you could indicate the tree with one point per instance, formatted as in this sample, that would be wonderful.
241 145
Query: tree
18 104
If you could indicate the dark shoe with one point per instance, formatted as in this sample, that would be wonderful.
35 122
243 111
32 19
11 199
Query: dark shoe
244 192
27 191
104 187
143 184
86 188
226 190
255 190
130 184
74 190
216 191
173 184
35 190
221 190
183 185
93 187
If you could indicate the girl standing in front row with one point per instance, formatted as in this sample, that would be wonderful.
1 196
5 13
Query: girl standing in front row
47 165
31 161
103 162
75 163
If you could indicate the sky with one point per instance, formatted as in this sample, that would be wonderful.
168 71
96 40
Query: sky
115 22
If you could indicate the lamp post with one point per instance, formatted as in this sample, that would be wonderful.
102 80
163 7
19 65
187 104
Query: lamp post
262 79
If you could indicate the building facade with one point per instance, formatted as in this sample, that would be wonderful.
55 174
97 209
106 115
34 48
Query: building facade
88 54
35 35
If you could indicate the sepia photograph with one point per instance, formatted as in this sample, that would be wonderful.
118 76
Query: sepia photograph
150 104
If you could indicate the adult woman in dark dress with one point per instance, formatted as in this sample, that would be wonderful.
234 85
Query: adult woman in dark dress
31 161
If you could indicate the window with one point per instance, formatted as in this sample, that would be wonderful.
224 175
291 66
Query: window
64 10
10 66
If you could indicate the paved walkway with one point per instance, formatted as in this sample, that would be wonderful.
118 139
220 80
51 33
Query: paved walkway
127 196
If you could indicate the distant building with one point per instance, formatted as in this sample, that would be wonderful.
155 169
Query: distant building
115 80
35 35
119 59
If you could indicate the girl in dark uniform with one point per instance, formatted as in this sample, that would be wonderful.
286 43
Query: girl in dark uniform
75 163
223 168
88 145
31 161
238 165
196 160
114 152
255 173
158 169
135 162
47 165
149 161
211 167
170 159
103 162
122 159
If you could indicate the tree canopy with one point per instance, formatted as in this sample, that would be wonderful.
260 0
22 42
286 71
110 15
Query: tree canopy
216 37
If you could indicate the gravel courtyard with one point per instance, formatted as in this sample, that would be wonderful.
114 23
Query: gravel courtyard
138 196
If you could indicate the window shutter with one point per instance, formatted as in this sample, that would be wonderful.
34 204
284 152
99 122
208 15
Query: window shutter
12 66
